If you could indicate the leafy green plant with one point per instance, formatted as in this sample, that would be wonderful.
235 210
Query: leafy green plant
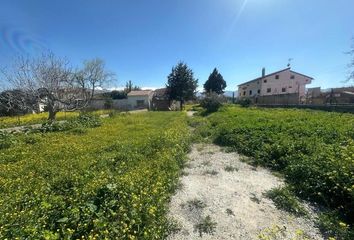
285 200
331 225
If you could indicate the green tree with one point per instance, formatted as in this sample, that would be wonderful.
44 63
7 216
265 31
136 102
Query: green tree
181 85
215 83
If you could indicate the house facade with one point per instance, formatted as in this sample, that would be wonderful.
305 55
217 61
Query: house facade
140 99
281 82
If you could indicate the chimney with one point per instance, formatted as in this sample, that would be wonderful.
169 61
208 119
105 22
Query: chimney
263 72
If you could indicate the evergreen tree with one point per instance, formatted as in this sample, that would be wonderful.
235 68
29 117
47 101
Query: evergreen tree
181 83
215 83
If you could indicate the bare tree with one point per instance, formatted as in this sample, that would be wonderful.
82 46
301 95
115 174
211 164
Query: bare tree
53 82
94 75
49 79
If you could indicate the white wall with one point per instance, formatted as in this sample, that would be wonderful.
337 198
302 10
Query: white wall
296 85
252 86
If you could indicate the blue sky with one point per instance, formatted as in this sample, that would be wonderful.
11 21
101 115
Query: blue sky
141 40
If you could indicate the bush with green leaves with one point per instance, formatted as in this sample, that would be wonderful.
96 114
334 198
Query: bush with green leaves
245 102
212 102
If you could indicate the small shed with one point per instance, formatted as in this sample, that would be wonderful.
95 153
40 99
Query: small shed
140 99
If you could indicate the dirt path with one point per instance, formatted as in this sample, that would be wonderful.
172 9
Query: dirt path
230 192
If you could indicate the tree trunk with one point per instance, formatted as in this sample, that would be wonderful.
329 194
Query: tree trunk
52 115
181 105
52 112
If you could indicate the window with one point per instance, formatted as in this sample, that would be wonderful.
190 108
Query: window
283 89
250 92
140 103
269 90
244 93
259 91
265 80
292 77
290 86
276 76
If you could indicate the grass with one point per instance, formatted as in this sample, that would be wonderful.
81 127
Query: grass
108 182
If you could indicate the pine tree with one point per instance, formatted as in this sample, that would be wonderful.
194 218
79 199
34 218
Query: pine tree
181 83
215 83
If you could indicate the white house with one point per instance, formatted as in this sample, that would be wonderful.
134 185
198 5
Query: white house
285 81
140 99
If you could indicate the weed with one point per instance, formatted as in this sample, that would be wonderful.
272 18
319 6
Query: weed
172 227
230 168
195 204
206 225
255 199
230 212
206 163
211 172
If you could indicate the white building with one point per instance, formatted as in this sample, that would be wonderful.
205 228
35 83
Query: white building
282 82
140 99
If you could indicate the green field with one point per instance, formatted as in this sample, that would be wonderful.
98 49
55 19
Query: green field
313 150
109 182
114 181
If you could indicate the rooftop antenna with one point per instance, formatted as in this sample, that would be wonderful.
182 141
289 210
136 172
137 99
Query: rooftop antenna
289 61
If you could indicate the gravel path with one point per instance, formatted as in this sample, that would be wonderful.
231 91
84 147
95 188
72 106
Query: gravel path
230 192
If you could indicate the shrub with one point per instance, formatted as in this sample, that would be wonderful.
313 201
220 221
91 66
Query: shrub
245 102
211 102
